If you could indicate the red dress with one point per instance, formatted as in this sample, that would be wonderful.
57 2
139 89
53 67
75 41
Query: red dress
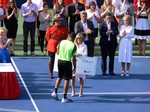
54 35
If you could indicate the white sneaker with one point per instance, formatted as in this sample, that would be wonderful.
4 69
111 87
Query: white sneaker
54 95
25 53
66 100
122 73
32 54
127 73
42 54
80 94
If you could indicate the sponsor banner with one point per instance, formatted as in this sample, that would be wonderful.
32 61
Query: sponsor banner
86 65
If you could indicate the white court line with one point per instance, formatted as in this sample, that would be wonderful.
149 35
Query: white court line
103 93
28 92
134 57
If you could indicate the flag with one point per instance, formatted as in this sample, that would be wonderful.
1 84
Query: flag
39 3
4 3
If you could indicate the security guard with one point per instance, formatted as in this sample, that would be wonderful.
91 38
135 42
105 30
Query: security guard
54 35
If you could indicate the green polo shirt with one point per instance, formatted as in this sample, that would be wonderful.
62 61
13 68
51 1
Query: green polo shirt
66 50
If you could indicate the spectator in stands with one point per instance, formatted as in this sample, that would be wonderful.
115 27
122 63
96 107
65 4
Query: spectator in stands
93 15
45 19
86 27
107 7
29 12
60 8
73 11
4 54
108 43
37 28
11 23
124 8
142 27
88 2
54 35
125 46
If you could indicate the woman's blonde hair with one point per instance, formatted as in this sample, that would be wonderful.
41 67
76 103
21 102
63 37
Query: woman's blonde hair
2 30
128 17
105 5
79 35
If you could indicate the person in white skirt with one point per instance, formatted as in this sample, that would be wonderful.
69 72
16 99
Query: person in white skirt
142 28
125 46
81 51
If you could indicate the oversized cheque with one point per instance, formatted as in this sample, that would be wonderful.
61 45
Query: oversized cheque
86 65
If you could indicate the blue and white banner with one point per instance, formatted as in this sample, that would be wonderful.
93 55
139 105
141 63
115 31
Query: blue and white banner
86 65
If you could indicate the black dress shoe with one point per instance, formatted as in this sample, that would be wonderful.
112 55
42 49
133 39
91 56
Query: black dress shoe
12 54
104 74
112 74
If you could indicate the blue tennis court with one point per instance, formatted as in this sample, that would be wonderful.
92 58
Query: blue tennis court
101 94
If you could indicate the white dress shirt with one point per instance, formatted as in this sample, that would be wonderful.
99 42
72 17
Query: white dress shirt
85 27
109 27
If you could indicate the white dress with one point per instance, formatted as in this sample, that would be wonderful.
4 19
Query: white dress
125 45
142 28
82 49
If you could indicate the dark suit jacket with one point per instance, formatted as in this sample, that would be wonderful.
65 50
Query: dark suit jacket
104 36
74 18
79 29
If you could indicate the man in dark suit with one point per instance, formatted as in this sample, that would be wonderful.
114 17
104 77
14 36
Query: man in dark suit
108 43
86 27
74 10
